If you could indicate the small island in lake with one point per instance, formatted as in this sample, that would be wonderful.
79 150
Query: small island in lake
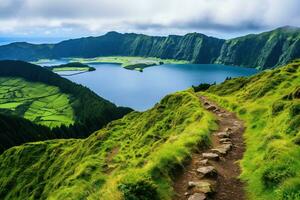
140 65
72 66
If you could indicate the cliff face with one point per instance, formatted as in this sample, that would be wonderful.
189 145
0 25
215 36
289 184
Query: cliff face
263 50
194 47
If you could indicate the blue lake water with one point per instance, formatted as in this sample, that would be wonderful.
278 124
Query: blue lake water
141 90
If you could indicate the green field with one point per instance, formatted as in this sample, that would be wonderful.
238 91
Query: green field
37 102
269 103
70 69
129 62
131 158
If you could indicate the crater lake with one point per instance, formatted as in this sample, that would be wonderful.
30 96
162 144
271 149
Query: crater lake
141 90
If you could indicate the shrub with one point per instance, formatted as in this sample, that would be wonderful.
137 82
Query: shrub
141 190
277 107
295 109
242 111
290 190
274 174
202 87
296 140
294 125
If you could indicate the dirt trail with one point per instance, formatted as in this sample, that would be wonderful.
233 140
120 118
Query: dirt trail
214 176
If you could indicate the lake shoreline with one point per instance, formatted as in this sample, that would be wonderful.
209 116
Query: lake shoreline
142 91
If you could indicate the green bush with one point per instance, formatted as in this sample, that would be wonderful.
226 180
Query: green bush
290 190
202 87
295 109
242 111
294 125
141 190
276 173
277 107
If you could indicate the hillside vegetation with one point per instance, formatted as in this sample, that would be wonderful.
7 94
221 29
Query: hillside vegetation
17 130
269 103
38 102
45 98
265 50
131 158
87 105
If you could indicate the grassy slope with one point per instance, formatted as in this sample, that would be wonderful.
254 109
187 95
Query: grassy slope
135 153
40 103
269 103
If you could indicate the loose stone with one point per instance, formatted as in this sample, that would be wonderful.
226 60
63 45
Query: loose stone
204 187
226 146
228 130
207 171
197 196
206 103
203 162
220 150
225 140
211 108
223 135
210 156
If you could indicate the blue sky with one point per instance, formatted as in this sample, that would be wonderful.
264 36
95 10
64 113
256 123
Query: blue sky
78 18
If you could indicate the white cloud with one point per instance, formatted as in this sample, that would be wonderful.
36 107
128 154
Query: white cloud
82 17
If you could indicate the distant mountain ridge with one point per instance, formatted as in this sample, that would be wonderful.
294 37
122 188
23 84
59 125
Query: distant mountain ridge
264 50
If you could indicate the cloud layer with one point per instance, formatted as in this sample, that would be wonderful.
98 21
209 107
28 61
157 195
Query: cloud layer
159 17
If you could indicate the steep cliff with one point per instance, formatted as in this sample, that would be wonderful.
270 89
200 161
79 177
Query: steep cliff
265 50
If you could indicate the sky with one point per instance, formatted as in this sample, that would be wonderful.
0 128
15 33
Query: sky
61 19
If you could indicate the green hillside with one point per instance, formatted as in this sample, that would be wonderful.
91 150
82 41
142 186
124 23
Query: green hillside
269 103
132 157
17 130
264 50
136 157
32 92
38 102
86 105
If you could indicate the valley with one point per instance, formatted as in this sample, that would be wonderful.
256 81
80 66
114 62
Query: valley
207 119
149 100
